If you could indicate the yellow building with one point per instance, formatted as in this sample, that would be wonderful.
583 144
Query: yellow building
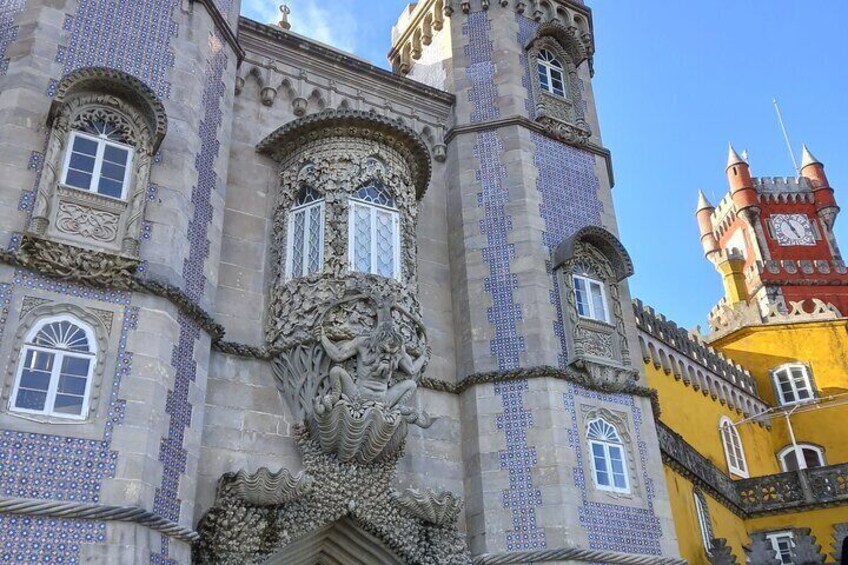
754 414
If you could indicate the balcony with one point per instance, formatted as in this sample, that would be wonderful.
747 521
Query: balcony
820 486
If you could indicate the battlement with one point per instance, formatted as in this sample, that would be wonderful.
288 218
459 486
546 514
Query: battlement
692 346
779 185
835 267
725 318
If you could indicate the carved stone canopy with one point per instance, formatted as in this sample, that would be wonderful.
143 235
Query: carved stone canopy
103 80
353 123
569 38
605 242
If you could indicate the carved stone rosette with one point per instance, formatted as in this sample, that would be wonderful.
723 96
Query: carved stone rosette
350 349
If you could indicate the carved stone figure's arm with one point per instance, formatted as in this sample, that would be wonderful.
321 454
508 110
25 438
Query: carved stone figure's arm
341 351
410 367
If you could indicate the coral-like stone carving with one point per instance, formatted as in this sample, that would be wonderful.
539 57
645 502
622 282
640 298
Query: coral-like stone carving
805 550
236 531
265 488
721 553
73 263
760 551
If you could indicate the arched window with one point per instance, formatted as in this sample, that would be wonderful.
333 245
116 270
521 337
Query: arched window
98 160
609 467
551 73
793 383
733 451
704 522
802 456
374 238
55 372
590 294
305 235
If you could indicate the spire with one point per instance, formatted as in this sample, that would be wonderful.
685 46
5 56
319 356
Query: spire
733 157
808 158
284 21
703 203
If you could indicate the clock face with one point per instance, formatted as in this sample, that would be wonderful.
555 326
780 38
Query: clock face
793 229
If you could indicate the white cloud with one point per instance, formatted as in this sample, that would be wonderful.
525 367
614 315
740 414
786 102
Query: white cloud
334 25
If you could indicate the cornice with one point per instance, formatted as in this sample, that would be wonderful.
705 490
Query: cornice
522 121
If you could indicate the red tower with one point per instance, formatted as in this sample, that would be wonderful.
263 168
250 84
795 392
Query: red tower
772 238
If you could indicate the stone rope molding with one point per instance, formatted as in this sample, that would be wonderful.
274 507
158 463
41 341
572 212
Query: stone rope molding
575 554
136 514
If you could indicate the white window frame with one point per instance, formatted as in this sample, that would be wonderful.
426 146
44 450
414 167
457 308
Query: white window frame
59 355
102 142
606 445
588 281
786 371
549 69
774 539
373 209
798 452
704 522
307 224
735 452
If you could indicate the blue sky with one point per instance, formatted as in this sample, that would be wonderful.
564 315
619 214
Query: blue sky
674 83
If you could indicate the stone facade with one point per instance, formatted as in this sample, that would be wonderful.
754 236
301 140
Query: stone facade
434 406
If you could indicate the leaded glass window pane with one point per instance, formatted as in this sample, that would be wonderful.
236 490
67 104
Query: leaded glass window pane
306 237
374 232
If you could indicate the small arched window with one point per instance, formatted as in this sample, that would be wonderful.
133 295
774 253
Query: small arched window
793 383
704 522
801 456
733 451
305 235
551 73
98 160
609 467
374 238
55 372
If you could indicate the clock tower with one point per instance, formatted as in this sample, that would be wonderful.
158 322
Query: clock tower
772 241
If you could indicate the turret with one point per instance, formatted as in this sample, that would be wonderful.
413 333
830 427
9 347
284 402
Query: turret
731 265
742 189
703 214
813 170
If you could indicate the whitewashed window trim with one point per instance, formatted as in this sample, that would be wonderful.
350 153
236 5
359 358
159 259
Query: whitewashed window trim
734 453
799 452
704 523
304 210
588 306
611 448
102 143
797 379
59 356
782 544
373 211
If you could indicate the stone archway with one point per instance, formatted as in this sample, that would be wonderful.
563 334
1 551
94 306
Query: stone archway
340 543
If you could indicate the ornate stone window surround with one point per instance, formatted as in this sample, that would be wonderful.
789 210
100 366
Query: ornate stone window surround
634 495
99 343
611 449
565 113
599 347
85 218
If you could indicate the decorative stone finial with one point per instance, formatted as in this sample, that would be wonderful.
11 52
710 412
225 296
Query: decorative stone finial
284 21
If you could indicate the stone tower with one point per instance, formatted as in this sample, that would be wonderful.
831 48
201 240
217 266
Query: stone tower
772 241
112 119
532 230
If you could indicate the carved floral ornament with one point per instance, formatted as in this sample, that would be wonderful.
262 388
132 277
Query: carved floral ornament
87 100
599 348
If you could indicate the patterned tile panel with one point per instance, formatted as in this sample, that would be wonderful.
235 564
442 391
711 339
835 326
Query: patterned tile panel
171 452
133 36
481 68
526 31
8 30
568 188
53 467
614 527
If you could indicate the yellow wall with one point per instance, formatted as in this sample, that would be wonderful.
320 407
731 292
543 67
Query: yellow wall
726 524
696 417
821 523
824 346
